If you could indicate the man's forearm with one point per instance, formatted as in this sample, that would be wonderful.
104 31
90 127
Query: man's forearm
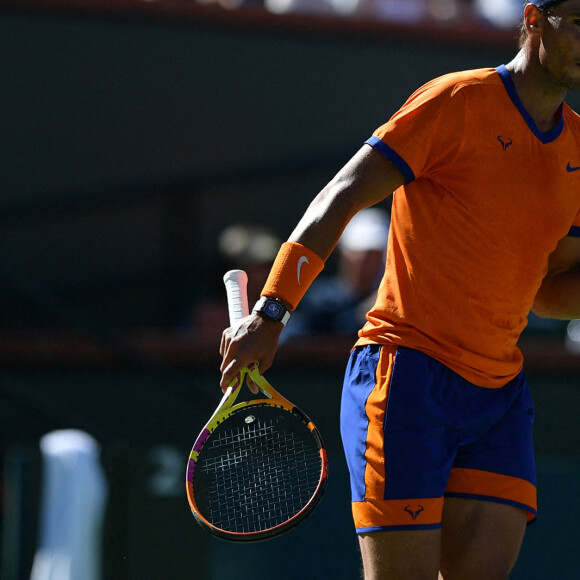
559 296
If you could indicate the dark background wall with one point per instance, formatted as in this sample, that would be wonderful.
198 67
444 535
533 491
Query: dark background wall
126 145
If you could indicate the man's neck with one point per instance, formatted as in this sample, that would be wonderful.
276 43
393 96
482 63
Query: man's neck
540 97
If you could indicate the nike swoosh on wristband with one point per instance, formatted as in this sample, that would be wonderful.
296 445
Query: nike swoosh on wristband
569 168
303 260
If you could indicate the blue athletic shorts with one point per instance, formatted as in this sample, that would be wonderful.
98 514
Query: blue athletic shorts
415 432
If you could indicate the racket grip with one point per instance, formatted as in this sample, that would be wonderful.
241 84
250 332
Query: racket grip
236 282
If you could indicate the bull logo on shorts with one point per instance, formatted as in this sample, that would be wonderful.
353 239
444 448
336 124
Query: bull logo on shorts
414 513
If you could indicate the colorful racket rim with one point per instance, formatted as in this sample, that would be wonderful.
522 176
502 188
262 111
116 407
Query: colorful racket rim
258 468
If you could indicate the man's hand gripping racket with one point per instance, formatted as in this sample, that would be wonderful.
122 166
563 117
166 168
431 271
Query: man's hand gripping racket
258 468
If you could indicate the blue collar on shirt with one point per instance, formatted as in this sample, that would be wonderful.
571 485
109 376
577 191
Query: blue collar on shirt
544 137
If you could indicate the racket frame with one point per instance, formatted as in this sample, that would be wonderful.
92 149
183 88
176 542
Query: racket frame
225 408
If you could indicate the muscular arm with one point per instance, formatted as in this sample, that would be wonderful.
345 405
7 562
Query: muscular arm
365 180
559 294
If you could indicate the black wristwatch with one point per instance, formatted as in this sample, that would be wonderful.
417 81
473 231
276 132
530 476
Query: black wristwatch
272 309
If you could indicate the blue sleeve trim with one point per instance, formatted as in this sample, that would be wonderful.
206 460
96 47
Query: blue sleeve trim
574 232
392 156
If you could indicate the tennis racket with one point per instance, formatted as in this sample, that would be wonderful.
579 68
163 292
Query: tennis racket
259 467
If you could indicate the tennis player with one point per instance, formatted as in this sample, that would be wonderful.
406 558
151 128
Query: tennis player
436 415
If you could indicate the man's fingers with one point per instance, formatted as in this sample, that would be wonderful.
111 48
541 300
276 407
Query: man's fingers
253 341
234 368
252 385
229 373
225 341
223 344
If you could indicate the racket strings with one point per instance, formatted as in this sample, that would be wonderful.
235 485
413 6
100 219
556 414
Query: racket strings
258 474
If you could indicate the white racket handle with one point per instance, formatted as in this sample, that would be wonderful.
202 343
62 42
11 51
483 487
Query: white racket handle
236 282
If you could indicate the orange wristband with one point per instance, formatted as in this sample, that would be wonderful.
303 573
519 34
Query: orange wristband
294 269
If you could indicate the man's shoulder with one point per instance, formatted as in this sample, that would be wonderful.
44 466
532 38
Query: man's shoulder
451 84
456 81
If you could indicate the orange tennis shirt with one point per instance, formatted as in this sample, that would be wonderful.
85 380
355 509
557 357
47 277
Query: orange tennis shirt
486 200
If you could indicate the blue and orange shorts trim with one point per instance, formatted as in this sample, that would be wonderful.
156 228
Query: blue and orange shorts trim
415 432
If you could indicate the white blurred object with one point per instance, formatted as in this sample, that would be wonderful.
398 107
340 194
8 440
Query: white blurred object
501 13
74 494
345 7
573 336
368 230
285 6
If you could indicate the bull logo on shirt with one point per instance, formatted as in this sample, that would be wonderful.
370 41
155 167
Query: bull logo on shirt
504 143
413 513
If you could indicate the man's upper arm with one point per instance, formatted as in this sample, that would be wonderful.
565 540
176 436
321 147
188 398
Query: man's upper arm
370 177
366 179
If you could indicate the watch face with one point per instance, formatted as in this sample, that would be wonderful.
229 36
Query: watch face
273 309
